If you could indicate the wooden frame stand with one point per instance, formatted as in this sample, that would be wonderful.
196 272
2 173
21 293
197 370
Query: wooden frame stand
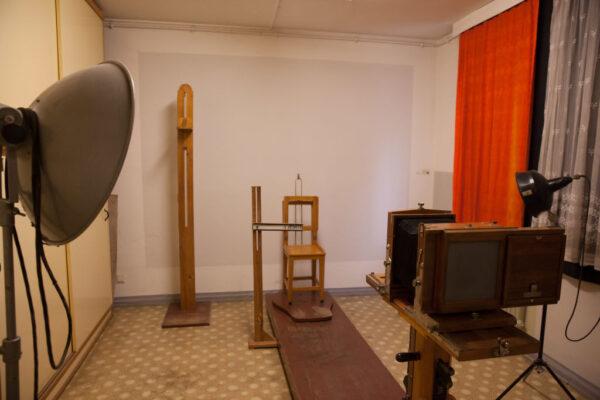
260 338
187 312
423 380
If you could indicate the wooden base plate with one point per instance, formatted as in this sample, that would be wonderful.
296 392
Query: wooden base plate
306 306
467 321
267 342
330 360
178 318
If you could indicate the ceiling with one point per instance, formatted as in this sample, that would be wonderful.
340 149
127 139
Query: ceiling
419 19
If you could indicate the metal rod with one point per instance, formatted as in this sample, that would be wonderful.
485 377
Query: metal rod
514 383
542 332
11 345
560 383
264 226
298 179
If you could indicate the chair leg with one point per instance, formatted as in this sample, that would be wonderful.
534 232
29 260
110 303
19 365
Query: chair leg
314 272
284 271
322 278
290 279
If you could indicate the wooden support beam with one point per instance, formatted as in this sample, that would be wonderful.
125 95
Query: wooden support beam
188 312
421 381
94 6
185 196
260 339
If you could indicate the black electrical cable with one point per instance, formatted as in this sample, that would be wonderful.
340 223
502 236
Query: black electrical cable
579 339
36 366
581 264
40 255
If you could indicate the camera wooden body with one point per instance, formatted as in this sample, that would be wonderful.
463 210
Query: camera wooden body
527 272
475 267
401 250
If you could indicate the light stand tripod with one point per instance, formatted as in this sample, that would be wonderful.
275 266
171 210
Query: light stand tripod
11 345
536 192
539 364
89 131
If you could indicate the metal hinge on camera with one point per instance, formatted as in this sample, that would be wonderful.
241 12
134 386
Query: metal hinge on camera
534 291
503 347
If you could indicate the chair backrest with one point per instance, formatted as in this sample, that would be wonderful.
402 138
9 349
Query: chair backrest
313 202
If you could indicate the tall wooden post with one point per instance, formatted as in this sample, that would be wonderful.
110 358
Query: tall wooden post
185 196
260 339
188 312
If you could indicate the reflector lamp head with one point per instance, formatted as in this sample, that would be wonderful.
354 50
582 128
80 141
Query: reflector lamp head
85 123
537 191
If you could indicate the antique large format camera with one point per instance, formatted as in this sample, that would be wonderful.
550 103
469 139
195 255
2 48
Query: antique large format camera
438 267
450 281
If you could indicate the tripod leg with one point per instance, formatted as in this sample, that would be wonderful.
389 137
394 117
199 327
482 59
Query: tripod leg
523 374
534 365
562 385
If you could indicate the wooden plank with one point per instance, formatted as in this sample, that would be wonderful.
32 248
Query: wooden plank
467 321
330 360
484 343
471 345
96 8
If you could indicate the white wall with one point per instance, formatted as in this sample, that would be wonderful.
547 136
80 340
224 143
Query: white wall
446 75
364 164
582 358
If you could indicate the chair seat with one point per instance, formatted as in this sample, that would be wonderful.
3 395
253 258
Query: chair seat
305 250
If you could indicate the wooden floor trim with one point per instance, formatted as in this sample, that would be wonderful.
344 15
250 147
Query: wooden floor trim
159 299
61 379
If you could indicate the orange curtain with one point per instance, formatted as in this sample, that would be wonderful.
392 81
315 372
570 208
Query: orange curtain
493 115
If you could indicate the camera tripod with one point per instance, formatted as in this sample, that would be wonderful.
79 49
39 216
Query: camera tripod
539 364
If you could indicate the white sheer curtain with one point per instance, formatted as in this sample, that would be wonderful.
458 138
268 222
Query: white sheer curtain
571 135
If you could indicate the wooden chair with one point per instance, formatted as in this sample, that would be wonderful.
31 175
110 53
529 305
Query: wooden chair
312 251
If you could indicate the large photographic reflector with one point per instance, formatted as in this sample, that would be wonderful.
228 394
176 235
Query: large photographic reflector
85 126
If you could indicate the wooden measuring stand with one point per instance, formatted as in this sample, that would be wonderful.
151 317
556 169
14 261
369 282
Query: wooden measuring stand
261 339
187 312
322 353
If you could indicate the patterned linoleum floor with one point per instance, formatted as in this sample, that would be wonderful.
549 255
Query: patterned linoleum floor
136 359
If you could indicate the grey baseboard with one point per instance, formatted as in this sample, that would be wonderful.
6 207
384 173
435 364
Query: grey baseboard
582 385
223 296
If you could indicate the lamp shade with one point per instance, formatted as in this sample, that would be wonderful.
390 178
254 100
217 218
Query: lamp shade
537 191
85 123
